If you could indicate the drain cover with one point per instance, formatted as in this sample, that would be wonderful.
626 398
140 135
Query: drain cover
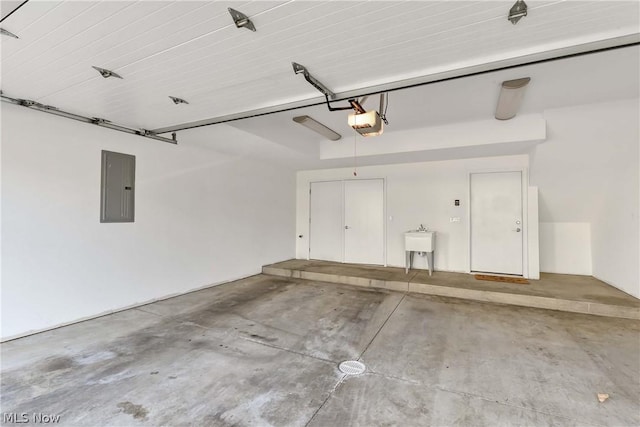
352 367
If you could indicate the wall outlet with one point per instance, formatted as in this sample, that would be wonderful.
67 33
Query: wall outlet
454 219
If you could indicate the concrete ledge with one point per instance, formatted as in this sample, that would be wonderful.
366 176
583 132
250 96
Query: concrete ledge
283 272
614 311
397 286
560 304
334 278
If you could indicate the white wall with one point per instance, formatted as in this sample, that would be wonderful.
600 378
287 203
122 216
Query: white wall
588 172
565 247
201 218
416 193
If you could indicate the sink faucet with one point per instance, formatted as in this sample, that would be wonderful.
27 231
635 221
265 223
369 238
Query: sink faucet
421 228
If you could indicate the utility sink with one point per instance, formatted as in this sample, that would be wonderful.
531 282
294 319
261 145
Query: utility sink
419 241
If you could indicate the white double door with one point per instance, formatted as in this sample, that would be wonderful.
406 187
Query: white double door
496 222
346 221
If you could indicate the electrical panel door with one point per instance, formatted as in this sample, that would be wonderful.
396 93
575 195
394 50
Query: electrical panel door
118 187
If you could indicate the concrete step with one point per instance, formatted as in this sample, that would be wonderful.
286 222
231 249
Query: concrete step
577 294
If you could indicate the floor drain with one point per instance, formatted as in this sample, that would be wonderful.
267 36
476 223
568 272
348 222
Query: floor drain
352 367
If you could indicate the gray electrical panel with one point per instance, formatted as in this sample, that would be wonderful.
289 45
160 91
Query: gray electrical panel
117 189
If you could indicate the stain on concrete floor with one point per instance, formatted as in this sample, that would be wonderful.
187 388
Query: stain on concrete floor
136 411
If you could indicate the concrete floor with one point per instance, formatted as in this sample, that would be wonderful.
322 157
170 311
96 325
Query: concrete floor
264 351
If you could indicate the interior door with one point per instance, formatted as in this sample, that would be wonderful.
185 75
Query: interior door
364 221
496 222
325 221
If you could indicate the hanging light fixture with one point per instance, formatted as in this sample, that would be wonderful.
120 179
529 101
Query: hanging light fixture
511 95
317 127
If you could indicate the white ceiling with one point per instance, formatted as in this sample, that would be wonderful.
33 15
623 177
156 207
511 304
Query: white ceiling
192 50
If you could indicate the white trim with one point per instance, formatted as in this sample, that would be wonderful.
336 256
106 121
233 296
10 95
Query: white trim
344 220
309 223
384 218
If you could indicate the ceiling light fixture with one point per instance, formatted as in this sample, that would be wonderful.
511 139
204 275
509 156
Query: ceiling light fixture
241 20
177 100
106 73
8 33
511 95
517 11
318 127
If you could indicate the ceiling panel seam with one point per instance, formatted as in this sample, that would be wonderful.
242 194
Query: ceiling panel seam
147 76
80 32
232 25
406 42
341 43
80 74
197 55
222 72
24 76
265 54
87 80
46 34
229 26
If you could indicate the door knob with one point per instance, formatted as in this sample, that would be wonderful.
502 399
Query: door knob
346 227
518 230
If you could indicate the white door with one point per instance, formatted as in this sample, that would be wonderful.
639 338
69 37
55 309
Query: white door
325 221
496 222
364 221
346 221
